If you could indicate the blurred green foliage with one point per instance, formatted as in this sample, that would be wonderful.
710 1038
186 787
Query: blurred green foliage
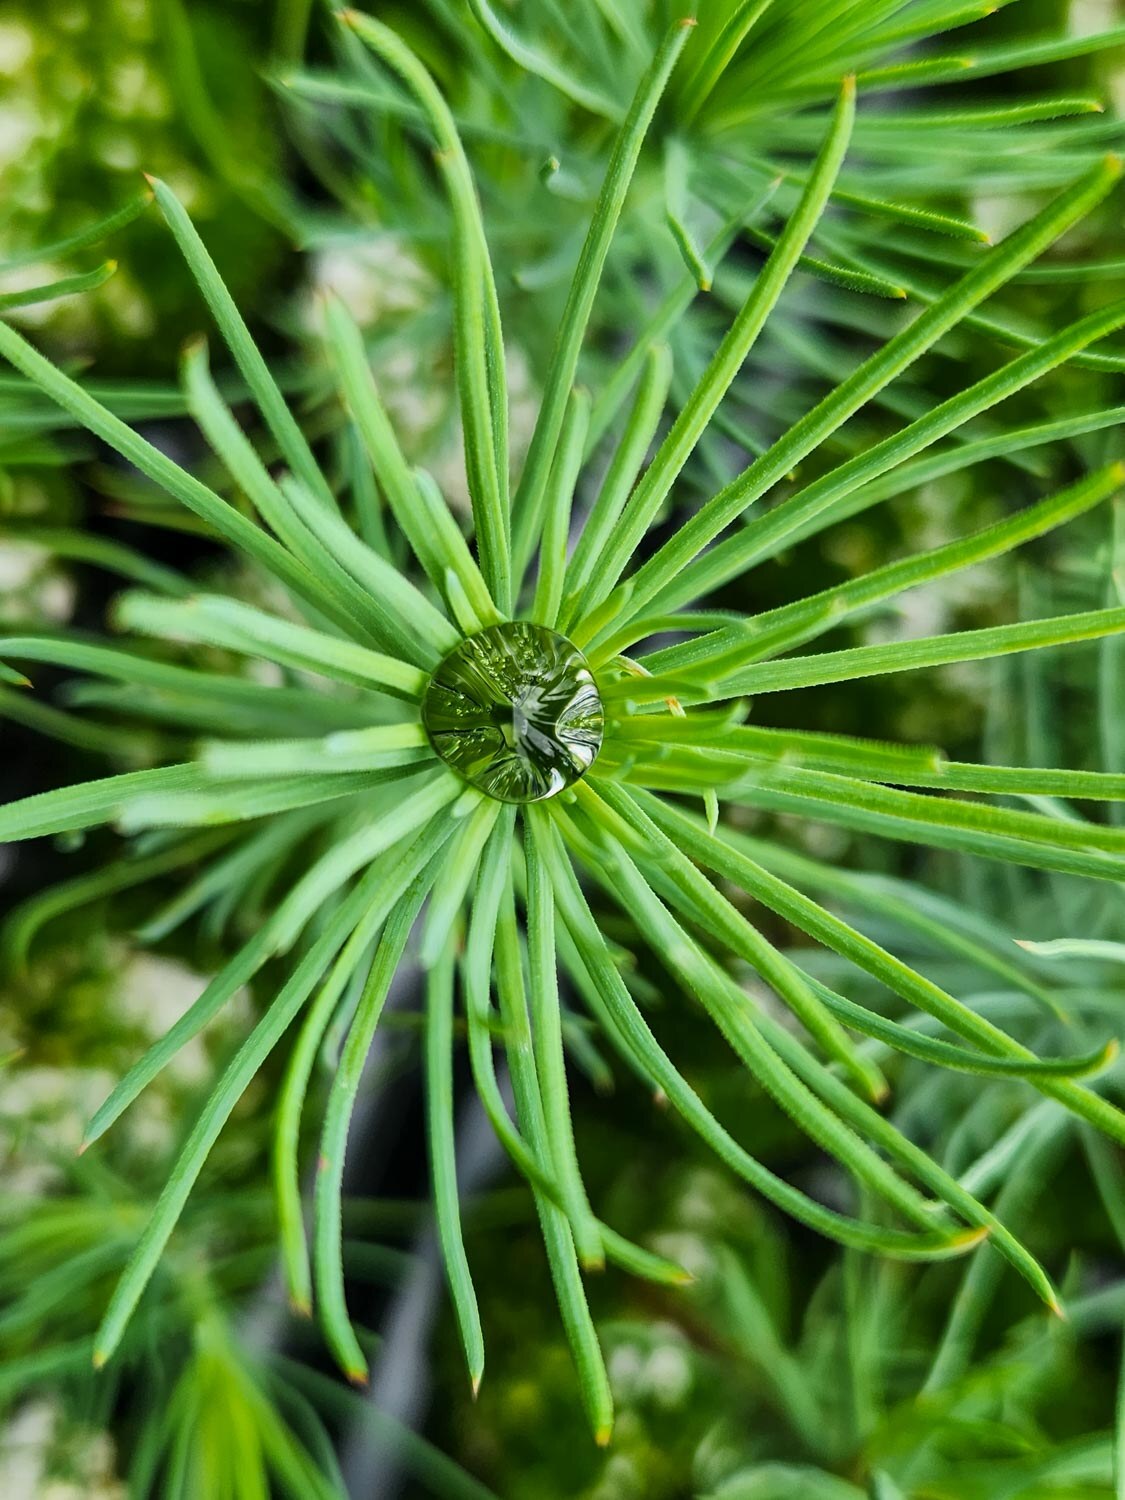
97 92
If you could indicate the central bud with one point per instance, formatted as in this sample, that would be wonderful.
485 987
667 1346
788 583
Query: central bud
515 710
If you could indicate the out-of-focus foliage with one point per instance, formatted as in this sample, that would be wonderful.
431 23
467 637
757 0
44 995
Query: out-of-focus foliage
93 93
217 1390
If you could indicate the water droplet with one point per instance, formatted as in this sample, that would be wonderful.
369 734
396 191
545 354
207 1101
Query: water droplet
515 710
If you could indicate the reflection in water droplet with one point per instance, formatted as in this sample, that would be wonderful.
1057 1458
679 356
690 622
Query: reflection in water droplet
516 711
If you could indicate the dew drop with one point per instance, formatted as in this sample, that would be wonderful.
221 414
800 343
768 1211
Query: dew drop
515 711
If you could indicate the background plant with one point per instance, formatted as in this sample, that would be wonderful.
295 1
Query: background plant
216 1389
